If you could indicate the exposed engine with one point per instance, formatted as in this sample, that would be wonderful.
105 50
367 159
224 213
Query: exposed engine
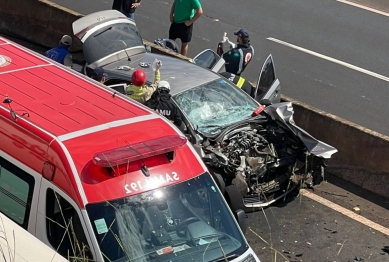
263 159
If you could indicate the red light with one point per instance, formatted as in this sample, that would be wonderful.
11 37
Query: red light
258 110
142 150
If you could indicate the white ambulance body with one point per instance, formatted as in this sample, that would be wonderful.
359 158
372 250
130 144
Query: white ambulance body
18 245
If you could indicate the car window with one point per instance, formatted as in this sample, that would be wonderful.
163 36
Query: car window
111 39
215 105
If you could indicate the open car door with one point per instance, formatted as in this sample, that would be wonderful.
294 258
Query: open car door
209 59
268 87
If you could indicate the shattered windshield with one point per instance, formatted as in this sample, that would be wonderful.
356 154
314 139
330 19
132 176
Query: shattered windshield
188 221
214 106
111 39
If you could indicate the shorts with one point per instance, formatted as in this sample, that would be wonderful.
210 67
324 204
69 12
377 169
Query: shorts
181 31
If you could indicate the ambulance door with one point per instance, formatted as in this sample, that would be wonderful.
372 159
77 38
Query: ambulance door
19 192
61 224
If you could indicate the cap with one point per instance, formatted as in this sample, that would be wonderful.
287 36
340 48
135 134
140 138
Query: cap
66 40
164 85
242 32
98 73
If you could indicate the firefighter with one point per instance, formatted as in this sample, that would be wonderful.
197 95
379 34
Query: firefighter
138 90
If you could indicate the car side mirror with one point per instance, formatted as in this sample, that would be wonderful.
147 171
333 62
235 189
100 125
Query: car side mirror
265 102
240 216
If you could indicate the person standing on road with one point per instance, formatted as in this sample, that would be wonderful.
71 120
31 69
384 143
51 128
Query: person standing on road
138 90
162 103
183 14
240 55
61 53
127 7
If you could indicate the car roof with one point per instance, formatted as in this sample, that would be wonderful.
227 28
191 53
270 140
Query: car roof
181 74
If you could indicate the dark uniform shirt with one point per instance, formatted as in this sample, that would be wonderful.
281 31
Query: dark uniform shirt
238 58
124 6
162 103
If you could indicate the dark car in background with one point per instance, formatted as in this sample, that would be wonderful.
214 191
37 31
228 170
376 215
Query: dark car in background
252 147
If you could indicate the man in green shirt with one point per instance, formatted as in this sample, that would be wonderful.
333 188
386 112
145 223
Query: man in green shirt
182 16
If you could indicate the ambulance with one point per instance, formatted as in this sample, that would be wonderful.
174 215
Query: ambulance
99 177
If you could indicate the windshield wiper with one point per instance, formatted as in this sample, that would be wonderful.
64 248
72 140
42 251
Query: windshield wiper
227 258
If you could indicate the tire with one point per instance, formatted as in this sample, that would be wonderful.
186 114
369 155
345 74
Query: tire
219 182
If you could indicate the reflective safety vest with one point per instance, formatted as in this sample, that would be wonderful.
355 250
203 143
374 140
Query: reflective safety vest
143 93
238 58
240 82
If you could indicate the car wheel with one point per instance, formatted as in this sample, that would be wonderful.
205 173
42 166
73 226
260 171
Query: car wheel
219 181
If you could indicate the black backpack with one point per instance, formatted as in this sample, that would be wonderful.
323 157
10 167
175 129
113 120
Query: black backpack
168 44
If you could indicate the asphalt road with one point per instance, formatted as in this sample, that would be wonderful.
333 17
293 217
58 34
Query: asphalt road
307 230
348 38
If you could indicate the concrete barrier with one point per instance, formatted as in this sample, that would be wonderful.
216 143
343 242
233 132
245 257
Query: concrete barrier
39 21
362 153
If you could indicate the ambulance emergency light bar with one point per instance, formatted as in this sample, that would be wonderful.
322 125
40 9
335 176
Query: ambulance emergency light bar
137 151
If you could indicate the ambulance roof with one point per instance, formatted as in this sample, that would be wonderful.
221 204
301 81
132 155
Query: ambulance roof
54 98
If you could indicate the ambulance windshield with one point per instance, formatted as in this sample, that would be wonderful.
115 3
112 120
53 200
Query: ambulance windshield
188 221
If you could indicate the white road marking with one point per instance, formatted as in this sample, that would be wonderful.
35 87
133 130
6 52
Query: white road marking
345 212
336 61
363 7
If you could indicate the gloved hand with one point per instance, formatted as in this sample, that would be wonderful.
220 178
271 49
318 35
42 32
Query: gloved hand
158 64
225 38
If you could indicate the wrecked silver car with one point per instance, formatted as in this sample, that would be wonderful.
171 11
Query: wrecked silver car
252 147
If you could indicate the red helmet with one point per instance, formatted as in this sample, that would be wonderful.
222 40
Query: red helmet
138 78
